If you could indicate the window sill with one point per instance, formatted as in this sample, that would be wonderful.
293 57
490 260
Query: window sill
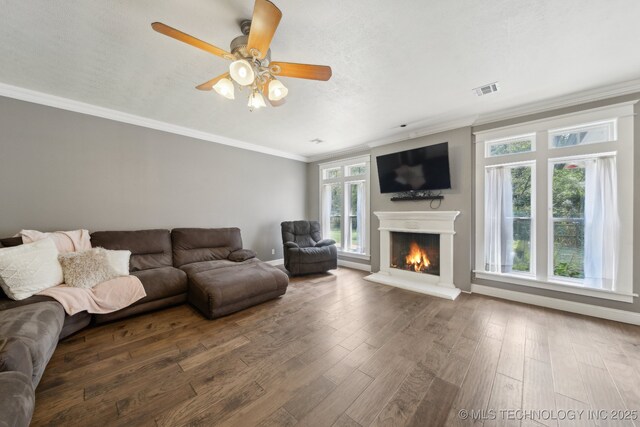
552 285
354 255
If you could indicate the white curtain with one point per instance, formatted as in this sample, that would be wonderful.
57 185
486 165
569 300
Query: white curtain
498 220
325 210
602 224
360 213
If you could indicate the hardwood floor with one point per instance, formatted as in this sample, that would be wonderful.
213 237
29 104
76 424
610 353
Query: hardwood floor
337 350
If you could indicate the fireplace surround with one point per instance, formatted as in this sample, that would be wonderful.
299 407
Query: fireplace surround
416 252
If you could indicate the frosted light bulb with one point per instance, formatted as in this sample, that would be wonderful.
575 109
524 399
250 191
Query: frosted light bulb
242 72
277 90
225 88
256 101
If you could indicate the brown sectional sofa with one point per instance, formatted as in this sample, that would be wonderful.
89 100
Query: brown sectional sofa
152 262
206 267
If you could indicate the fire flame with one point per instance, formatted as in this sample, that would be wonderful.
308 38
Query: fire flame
417 258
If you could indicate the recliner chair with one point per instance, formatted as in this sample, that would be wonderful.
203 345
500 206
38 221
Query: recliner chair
305 251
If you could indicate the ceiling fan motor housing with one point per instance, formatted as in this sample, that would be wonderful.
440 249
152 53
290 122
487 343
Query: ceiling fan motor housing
239 44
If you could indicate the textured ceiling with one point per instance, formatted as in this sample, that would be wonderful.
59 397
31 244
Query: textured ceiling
400 61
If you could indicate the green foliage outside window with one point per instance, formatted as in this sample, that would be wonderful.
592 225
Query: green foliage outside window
568 212
521 182
510 147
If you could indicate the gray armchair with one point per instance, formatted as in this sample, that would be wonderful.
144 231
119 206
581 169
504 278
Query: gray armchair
305 251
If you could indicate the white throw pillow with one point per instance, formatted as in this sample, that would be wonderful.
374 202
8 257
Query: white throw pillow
30 268
86 269
119 260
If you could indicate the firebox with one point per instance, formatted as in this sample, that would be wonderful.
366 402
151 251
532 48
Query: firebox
417 252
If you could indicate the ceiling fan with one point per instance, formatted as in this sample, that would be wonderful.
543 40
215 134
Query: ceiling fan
252 66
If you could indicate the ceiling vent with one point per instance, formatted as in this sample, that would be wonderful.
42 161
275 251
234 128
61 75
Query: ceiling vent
487 89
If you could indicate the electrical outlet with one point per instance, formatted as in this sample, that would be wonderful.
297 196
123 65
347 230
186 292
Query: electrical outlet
273 251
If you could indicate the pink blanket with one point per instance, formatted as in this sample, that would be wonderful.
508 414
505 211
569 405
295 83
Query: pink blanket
105 297
66 241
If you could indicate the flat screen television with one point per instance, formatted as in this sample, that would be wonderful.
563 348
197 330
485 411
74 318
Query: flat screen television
420 169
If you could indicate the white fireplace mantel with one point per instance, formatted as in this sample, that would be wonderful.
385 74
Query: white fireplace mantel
432 222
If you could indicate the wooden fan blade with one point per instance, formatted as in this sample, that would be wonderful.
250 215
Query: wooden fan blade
300 71
265 93
266 17
211 83
186 38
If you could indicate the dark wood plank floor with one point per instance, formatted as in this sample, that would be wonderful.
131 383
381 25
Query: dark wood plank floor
337 350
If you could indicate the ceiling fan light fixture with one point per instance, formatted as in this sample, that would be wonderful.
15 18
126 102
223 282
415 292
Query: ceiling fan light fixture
256 101
242 72
225 88
277 90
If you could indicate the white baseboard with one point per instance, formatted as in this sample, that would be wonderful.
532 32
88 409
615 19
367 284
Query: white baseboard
570 306
279 261
355 265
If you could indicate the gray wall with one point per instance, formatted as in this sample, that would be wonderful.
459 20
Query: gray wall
64 170
458 198
635 306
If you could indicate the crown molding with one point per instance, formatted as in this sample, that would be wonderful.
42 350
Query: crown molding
433 127
569 100
339 154
430 129
419 132
41 98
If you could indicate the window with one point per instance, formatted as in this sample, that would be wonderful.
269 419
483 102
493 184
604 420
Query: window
508 218
511 145
344 204
583 134
585 200
567 219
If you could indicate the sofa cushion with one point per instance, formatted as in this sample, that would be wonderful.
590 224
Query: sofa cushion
72 324
38 326
325 242
203 244
304 233
15 356
7 303
149 248
318 254
17 399
9 242
161 283
198 267
242 255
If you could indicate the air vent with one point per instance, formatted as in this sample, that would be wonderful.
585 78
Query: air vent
487 89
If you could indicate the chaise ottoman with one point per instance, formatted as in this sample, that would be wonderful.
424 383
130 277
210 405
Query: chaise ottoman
223 277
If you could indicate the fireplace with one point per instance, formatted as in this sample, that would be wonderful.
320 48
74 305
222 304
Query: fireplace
417 252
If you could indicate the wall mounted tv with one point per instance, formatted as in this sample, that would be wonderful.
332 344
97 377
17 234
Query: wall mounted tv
420 169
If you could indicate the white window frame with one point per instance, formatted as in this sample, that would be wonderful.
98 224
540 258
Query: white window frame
345 180
544 156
